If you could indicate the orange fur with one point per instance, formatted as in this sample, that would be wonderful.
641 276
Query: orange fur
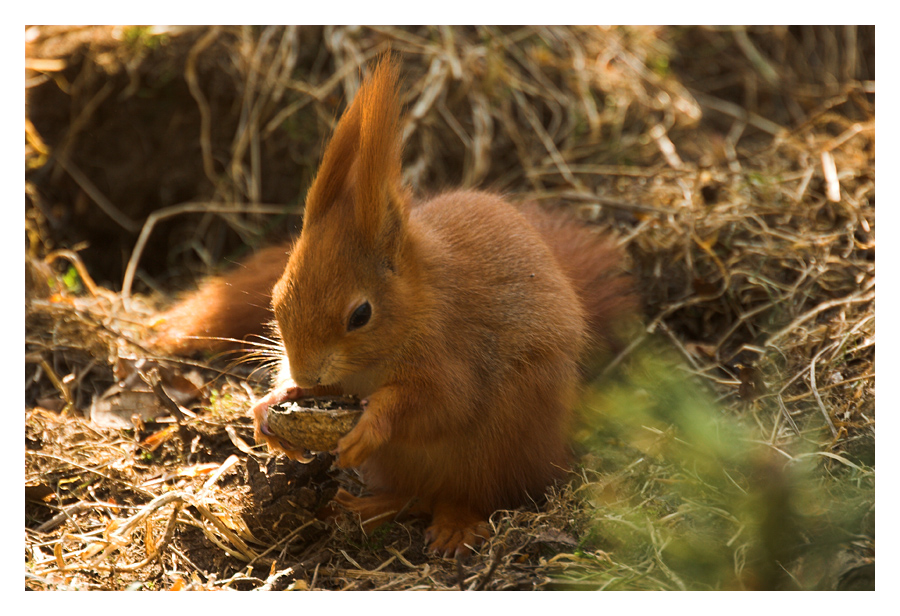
225 309
480 313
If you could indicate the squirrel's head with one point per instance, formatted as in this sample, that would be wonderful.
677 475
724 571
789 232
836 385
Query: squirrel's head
340 303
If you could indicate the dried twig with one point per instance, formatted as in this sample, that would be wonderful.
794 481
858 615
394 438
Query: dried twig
177 210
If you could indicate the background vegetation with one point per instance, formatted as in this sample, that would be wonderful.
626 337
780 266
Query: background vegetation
729 445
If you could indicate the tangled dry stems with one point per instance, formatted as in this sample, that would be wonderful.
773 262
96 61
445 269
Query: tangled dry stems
742 188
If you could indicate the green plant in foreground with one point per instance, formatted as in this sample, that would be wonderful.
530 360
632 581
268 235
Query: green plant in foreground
689 497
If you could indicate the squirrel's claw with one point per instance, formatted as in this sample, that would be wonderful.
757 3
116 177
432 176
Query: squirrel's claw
456 541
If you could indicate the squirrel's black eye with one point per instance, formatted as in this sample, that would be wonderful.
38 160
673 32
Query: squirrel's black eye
360 316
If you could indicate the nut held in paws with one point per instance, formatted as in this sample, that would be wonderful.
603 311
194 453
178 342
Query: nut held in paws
316 424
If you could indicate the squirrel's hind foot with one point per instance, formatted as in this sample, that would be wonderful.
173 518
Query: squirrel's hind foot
456 531
373 511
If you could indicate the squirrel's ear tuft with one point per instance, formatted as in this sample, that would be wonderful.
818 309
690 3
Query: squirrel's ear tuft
378 173
364 157
335 171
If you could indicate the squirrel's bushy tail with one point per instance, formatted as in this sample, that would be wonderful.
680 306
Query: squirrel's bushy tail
225 309
593 264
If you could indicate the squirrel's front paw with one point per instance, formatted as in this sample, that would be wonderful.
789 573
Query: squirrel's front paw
261 431
360 443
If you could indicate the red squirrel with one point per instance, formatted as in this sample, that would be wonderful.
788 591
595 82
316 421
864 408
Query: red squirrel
460 319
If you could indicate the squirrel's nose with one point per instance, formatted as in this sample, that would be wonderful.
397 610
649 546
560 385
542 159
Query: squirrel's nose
305 380
308 375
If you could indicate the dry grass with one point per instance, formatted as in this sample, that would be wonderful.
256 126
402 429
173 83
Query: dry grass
736 165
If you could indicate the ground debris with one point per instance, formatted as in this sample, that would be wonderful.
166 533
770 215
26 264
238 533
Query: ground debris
735 166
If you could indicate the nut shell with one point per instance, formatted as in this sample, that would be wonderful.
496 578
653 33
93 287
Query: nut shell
316 424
